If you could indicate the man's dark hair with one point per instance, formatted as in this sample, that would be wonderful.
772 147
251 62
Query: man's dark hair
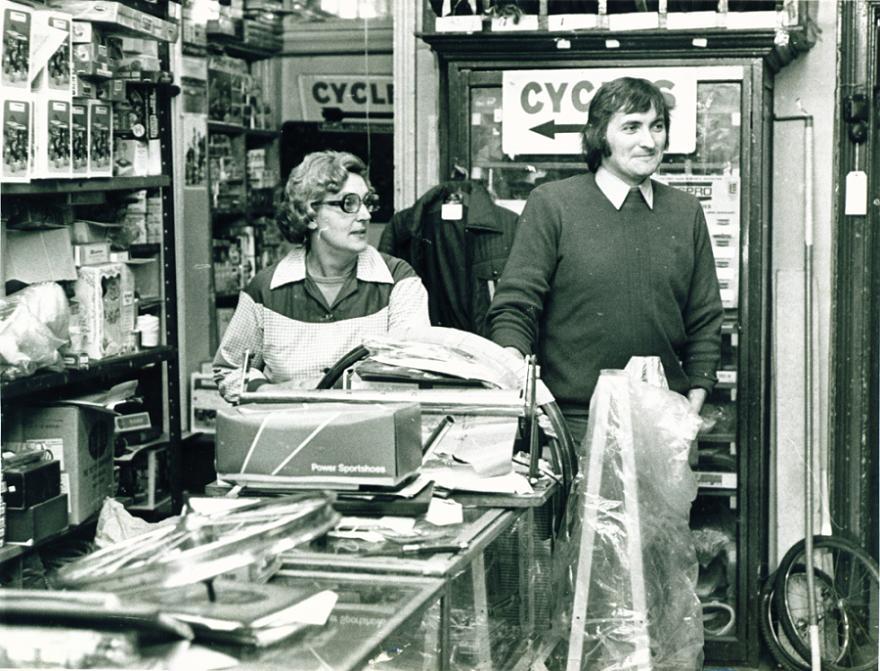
624 94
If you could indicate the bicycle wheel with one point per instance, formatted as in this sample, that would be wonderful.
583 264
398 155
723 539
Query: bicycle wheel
776 641
846 586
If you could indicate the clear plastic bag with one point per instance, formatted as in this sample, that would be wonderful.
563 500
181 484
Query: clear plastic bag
34 324
631 555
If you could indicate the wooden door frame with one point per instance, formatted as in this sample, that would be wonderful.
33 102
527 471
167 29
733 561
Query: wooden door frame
855 312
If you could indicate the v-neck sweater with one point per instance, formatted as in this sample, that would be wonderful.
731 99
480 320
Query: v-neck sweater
587 287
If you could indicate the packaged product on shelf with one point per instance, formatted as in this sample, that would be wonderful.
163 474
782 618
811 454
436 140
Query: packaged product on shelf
79 138
154 218
84 231
52 136
51 50
154 157
92 60
122 17
15 24
15 126
91 253
105 294
130 158
81 438
100 139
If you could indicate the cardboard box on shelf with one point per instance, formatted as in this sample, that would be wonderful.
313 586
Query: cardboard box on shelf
100 139
15 129
106 311
147 280
130 158
52 137
81 438
37 522
91 253
122 17
39 256
51 50
79 138
15 26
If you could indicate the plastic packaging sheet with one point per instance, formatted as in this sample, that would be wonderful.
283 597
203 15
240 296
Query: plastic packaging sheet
630 559
34 323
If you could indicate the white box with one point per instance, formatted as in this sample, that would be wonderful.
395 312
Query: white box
15 26
79 138
130 158
15 137
100 139
51 48
91 253
52 136
106 314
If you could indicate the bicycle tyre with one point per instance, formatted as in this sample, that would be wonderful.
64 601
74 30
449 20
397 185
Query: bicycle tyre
767 624
857 597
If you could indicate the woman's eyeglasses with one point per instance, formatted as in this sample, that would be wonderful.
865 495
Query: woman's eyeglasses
350 203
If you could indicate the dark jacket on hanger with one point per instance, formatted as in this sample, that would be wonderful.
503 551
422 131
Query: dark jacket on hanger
459 260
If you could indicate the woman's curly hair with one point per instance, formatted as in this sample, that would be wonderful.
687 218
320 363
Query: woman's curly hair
319 174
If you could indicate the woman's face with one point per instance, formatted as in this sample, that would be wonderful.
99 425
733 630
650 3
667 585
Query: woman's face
340 231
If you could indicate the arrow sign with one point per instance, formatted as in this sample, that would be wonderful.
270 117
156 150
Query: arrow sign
551 129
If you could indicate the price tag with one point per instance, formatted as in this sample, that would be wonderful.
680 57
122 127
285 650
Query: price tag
451 211
856 194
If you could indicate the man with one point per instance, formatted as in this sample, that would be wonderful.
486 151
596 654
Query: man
611 264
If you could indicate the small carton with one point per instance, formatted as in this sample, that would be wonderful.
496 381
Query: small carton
15 24
100 139
106 310
39 256
91 253
51 34
52 137
15 137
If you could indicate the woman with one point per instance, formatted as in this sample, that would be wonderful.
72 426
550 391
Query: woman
299 316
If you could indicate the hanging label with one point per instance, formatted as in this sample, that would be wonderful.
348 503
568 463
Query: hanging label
451 211
856 194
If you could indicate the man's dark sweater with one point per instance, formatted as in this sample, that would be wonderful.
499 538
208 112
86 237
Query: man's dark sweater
589 286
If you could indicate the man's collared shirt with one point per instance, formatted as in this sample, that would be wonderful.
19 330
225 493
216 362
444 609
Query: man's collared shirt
616 190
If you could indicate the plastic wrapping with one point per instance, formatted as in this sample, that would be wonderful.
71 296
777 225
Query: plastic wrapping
33 325
631 555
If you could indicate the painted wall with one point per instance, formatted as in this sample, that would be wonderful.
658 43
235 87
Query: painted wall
811 80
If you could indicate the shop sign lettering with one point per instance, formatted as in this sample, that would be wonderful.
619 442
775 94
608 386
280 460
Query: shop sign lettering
352 97
545 110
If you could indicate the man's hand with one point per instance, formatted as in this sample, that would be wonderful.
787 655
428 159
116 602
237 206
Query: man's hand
696 397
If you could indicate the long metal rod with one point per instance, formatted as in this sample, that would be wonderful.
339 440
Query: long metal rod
807 119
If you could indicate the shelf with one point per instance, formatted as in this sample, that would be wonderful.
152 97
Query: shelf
149 303
144 250
261 135
247 52
106 368
44 186
716 438
227 128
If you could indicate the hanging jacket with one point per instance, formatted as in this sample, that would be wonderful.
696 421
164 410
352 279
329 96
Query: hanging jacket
460 260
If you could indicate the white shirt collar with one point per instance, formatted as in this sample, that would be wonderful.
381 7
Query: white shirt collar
371 267
615 189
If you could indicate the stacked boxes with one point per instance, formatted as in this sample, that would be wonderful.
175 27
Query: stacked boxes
15 112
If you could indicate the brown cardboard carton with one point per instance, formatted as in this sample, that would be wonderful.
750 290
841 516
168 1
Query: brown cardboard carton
82 440
319 444
39 256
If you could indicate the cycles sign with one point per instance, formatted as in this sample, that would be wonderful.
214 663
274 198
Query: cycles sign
545 110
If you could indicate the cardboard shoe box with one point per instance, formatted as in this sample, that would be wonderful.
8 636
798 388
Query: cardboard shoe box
82 440
319 444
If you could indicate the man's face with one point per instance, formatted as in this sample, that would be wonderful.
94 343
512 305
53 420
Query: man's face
636 141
